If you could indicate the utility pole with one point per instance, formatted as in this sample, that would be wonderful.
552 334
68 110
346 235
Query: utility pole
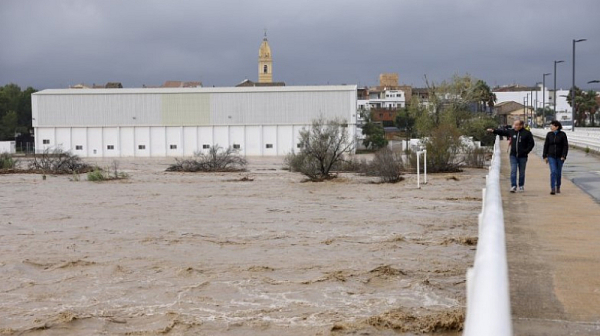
573 87
544 93
555 63
537 86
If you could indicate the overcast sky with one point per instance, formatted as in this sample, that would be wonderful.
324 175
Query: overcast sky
56 43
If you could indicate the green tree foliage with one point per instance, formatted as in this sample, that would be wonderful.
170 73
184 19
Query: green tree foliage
546 112
477 126
373 132
443 146
8 125
482 95
462 92
374 136
585 102
15 111
454 101
406 118
454 110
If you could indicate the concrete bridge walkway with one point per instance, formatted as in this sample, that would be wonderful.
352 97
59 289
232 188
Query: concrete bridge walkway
553 246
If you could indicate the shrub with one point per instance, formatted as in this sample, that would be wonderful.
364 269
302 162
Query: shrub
351 164
96 175
116 174
443 146
323 146
387 165
58 161
7 161
476 157
216 160
303 163
108 174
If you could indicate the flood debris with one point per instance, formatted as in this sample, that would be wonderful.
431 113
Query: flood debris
407 320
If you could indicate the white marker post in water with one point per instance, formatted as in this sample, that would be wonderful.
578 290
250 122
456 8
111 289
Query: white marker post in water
424 152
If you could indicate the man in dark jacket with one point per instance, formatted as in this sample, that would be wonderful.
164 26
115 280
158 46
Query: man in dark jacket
521 144
555 152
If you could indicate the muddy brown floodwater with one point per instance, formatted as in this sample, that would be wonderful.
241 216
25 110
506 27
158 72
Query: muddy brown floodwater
210 254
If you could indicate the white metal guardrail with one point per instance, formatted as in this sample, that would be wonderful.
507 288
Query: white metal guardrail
488 296
583 137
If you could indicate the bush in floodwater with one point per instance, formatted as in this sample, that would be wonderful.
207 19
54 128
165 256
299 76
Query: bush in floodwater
96 175
57 161
216 160
108 174
323 146
387 165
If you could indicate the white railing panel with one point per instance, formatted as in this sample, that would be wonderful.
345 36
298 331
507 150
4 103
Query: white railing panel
488 296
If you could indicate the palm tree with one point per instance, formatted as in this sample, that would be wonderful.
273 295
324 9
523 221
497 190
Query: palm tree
483 95
585 101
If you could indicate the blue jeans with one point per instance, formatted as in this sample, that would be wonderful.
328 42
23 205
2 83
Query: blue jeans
556 165
517 163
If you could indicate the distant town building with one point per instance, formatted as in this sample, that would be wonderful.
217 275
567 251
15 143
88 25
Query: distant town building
265 68
79 86
383 101
422 95
114 85
248 83
109 85
180 84
387 95
388 79
535 97
265 62
509 111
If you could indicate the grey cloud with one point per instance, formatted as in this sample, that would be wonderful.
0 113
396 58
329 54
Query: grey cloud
58 43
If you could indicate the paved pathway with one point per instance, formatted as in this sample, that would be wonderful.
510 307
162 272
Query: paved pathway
581 168
553 246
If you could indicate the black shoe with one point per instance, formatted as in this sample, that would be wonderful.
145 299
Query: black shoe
552 192
558 190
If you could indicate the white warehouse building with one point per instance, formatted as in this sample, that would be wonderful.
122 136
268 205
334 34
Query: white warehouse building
179 122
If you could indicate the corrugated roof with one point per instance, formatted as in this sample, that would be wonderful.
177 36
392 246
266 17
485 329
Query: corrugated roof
199 90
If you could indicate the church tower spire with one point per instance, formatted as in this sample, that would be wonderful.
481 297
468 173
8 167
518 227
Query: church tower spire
265 62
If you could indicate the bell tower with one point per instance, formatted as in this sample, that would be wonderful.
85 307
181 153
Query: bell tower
265 62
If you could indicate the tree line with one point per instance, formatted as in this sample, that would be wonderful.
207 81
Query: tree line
586 106
456 106
15 112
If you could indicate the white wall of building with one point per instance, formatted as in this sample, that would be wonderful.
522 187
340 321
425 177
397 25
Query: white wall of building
170 141
180 122
522 96
389 99
8 147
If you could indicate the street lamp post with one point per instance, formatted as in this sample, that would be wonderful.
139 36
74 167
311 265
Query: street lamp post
555 63
573 87
526 109
537 86
544 93
531 105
